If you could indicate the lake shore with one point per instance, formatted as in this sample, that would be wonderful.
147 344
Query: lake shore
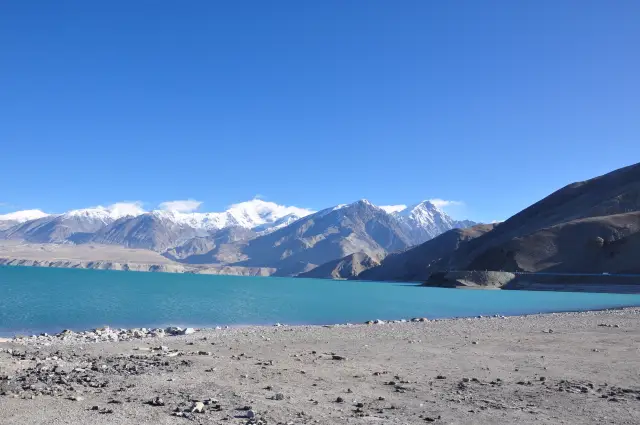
570 368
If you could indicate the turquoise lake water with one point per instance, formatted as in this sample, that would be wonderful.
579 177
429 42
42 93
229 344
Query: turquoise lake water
34 300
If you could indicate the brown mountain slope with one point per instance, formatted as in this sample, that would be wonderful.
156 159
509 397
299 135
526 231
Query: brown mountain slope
414 264
343 268
588 245
586 227
614 193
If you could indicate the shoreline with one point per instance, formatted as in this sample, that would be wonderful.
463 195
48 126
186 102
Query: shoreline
164 331
571 368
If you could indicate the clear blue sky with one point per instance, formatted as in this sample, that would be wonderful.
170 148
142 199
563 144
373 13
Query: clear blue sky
314 103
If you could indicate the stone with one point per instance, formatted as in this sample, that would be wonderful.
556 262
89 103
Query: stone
339 400
188 331
279 396
337 357
250 414
197 407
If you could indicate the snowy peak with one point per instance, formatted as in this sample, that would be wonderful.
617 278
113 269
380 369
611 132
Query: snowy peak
251 214
258 212
107 214
23 216
390 209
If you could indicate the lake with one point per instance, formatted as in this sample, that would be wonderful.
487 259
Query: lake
34 300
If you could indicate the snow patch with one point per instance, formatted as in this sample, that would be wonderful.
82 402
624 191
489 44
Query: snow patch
23 216
393 208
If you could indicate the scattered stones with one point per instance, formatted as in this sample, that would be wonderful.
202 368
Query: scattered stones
106 334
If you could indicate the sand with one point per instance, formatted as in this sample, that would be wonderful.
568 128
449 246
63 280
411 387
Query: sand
548 369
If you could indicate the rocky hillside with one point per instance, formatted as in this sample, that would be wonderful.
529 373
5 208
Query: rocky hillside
344 268
586 227
415 264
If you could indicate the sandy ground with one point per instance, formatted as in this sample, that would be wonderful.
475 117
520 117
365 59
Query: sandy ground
88 252
544 369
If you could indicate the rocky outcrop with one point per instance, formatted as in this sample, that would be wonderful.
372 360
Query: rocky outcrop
344 268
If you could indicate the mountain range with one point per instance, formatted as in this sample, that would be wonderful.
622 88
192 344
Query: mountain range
255 233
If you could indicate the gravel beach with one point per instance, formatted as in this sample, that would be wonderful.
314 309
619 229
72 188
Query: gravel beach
566 368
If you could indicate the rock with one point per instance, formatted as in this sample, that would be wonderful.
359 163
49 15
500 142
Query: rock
188 331
279 396
157 401
336 357
95 408
339 400
441 377
174 330
250 414
76 398
359 405
204 353
197 407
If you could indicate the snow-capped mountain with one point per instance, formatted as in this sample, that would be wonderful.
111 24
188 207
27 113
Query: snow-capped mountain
18 217
22 216
250 215
93 223
75 226
253 233
425 220
107 214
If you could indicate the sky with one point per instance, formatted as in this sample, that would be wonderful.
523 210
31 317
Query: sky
491 104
